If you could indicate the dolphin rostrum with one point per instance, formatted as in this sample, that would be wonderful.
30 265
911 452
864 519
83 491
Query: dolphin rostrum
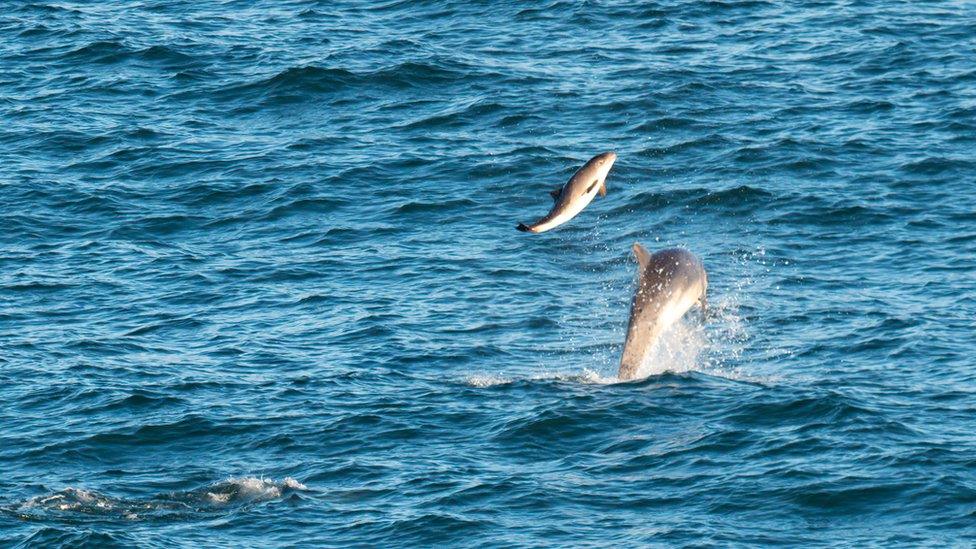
575 195
668 284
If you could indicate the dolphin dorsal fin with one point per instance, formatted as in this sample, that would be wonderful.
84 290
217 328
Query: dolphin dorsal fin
642 255
555 194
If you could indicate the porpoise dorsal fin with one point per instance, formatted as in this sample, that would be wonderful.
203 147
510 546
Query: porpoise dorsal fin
642 255
555 194
603 189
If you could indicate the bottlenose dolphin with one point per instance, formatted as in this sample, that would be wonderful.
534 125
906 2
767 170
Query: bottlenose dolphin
668 284
575 195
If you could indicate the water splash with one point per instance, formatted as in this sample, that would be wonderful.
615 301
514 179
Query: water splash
712 347
676 351
584 376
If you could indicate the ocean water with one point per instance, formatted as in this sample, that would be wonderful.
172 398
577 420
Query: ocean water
260 283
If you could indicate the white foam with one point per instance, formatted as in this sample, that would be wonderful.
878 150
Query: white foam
585 376
233 491
486 380
257 488
218 498
69 499
238 489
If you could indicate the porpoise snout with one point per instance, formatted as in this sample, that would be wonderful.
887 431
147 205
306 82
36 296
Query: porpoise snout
606 158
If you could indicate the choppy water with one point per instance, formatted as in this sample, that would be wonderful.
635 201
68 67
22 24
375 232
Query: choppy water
260 283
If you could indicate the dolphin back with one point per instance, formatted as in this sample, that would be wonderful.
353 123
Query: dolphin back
669 283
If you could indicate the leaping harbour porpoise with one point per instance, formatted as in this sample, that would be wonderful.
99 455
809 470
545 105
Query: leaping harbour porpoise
669 283
576 194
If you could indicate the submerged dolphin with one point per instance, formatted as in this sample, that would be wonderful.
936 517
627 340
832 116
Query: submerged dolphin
668 284
575 195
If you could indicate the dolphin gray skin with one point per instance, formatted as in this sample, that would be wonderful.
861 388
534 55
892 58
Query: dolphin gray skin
668 284
575 195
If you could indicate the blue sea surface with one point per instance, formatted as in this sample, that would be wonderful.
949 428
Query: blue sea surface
260 283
